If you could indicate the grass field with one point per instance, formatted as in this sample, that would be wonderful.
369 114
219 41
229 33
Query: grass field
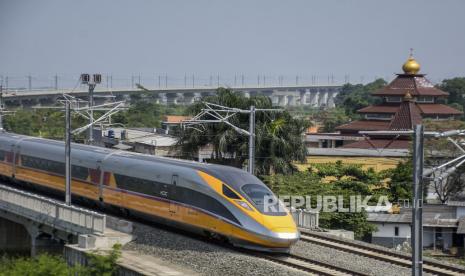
377 163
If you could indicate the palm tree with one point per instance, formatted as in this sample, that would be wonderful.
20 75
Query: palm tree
279 140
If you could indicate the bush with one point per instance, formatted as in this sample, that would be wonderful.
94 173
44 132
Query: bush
50 265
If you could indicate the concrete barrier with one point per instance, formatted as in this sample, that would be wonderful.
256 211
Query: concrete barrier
305 219
51 212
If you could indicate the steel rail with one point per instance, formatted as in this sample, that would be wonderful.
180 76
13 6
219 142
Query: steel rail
379 254
308 265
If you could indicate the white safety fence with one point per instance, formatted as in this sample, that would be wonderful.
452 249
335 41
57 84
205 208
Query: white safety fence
305 219
50 212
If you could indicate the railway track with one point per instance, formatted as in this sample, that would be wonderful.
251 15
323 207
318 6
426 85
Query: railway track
379 254
308 265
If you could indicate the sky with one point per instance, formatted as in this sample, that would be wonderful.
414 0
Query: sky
361 39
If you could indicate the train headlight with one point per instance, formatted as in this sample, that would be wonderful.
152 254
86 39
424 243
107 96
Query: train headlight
244 205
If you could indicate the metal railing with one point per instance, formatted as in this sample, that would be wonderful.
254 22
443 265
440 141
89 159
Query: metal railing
305 219
51 212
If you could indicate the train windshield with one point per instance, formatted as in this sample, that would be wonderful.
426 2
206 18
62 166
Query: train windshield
264 200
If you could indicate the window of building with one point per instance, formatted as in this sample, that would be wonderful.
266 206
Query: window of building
439 117
378 116
425 99
339 143
393 99
396 231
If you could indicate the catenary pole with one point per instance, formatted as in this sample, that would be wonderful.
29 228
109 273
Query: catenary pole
417 231
68 153
91 117
1 107
252 140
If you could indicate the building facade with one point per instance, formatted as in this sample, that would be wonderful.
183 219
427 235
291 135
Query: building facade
408 100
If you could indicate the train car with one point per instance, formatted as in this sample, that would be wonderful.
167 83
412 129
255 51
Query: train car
215 200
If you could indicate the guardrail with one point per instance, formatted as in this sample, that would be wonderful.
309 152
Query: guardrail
51 212
305 219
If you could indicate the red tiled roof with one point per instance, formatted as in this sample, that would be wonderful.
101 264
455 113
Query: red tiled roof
175 118
415 84
438 109
365 125
425 108
379 109
406 117
378 144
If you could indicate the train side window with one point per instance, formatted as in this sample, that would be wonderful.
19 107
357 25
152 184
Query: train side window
79 172
2 155
138 185
205 202
43 164
229 193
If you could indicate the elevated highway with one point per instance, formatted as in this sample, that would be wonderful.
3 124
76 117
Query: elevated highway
299 95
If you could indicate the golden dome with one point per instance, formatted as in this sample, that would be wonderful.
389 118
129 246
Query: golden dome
411 66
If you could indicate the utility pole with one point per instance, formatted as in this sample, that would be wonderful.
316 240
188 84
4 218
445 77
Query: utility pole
417 210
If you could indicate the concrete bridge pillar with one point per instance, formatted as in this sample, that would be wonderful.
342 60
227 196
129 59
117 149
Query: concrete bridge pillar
291 100
323 98
163 98
315 97
283 100
197 97
275 100
305 97
331 97
33 234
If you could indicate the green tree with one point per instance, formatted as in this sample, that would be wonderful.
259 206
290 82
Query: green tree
332 179
279 140
104 265
51 265
43 265
400 183
353 97
456 89
332 118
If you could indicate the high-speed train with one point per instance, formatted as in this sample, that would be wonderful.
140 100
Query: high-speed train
214 200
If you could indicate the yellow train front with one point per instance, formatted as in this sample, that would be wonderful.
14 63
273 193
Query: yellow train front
214 200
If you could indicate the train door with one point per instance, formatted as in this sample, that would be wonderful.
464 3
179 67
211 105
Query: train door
172 194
